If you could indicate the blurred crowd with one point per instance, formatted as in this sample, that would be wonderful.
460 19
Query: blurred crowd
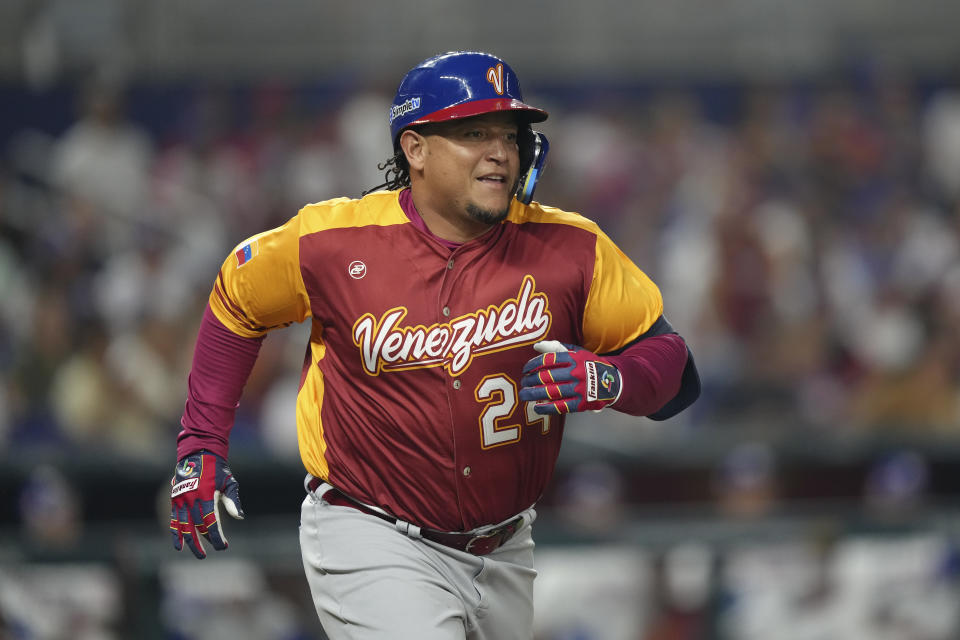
806 239
807 248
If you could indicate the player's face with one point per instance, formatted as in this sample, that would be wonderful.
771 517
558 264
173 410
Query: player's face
471 167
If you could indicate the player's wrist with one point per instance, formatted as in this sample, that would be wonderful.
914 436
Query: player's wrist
608 382
201 443
616 400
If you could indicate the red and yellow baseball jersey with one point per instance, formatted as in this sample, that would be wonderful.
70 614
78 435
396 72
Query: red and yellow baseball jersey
409 392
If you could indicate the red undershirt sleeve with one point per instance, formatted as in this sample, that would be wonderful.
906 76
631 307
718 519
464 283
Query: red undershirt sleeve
222 362
651 371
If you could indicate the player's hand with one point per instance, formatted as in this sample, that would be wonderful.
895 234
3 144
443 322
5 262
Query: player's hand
201 481
566 379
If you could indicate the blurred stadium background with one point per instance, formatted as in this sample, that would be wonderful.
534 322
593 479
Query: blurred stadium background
788 172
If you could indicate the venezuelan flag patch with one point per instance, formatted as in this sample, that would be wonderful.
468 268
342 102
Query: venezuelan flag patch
247 252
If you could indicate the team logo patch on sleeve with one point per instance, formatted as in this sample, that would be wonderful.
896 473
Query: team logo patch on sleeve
247 252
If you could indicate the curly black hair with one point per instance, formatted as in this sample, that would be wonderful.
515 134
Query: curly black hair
396 173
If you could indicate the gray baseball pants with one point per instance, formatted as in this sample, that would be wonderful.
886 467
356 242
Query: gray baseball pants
369 581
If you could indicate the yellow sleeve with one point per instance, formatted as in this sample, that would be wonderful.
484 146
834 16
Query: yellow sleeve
260 286
623 302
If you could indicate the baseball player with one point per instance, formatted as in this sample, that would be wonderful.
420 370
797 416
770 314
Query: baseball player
455 322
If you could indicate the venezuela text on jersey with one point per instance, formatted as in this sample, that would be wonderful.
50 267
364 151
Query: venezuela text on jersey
386 346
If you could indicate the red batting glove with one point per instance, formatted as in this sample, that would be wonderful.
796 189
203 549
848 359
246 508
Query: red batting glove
201 481
566 379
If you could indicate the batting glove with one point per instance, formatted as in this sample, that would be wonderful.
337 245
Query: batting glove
566 379
201 481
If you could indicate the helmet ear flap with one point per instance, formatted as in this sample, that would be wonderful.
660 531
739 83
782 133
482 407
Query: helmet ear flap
533 147
526 143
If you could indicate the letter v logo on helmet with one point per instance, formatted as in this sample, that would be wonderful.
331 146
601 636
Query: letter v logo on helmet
495 77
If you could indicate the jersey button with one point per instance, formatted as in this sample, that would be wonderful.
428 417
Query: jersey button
456 384
450 264
446 311
466 471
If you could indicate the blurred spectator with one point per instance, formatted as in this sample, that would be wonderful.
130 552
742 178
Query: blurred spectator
82 395
36 359
243 607
941 136
895 588
101 165
50 510
897 485
53 602
591 497
362 147
592 593
746 481
685 586
778 590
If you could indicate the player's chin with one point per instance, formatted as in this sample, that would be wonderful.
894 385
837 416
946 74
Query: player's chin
490 205
487 214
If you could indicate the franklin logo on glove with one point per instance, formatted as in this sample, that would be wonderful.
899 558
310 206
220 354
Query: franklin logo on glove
183 487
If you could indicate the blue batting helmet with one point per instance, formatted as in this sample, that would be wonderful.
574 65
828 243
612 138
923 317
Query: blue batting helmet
458 84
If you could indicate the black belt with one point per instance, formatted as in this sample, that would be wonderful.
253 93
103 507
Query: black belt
479 544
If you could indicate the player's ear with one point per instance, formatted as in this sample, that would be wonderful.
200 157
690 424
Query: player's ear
414 147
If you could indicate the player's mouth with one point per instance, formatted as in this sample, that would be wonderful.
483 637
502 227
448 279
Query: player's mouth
493 180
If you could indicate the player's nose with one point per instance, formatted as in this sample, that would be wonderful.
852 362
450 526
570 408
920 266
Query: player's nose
500 148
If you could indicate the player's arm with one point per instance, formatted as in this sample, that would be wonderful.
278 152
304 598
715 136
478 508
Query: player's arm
658 373
258 289
645 368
